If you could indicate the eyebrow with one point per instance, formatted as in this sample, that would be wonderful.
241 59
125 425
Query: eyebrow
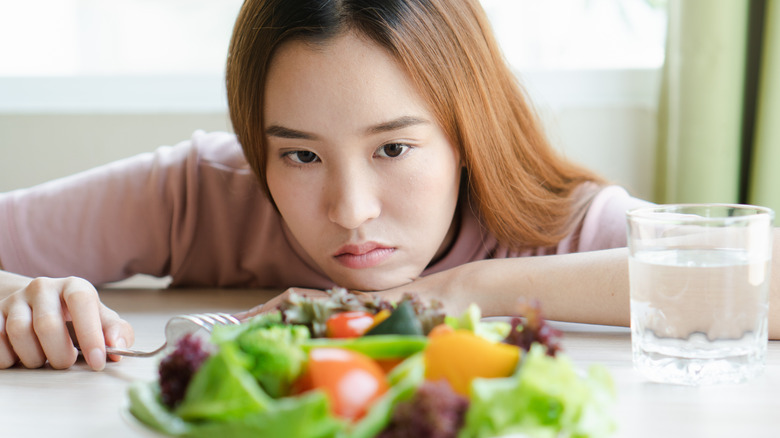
392 125
282 132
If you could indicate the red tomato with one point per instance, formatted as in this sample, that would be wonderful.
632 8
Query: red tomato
352 381
348 324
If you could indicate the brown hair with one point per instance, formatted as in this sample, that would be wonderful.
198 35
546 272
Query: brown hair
520 186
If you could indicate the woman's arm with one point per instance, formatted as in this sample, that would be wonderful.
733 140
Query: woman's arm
588 287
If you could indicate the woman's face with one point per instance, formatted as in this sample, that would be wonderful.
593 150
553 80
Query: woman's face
365 179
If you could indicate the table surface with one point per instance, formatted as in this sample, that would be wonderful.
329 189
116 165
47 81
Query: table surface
79 402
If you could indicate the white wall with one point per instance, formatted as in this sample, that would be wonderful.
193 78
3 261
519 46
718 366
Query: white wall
604 120
38 147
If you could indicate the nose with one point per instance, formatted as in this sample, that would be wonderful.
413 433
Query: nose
353 198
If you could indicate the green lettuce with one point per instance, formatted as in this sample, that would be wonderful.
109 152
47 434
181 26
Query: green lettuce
276 356
223 388
272 351
471 320
307 415
147 406
547 397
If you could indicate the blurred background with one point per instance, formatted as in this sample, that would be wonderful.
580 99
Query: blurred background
653 94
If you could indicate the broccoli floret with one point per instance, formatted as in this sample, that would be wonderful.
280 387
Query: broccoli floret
276 355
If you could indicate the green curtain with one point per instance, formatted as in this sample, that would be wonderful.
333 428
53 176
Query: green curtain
719 111
764 178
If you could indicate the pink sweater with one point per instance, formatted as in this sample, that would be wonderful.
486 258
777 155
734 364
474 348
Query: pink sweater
195 212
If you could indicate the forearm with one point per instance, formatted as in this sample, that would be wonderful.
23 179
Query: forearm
587 287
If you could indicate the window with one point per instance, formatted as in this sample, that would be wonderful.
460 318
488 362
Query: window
580 34
169 55
117 37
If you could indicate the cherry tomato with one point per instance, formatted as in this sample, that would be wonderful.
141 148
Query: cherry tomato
348 324
351 380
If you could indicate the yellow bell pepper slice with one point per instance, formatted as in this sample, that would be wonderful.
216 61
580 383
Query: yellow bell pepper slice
461 356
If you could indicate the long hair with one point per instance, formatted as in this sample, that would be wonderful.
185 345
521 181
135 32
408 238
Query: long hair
520 186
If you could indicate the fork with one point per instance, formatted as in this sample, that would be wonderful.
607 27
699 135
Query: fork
176 328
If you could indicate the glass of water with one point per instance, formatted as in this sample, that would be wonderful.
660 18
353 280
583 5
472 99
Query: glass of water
699 277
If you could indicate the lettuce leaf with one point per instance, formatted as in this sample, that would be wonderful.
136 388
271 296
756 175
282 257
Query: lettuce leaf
547 397
223 334
272 351
276 356
146 406
223 389
307 415
471 319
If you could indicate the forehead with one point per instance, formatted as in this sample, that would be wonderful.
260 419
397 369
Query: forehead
348 82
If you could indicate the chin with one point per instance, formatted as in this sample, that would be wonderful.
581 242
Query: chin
372 283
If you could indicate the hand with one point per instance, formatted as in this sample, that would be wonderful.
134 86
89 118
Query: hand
275 302
33 325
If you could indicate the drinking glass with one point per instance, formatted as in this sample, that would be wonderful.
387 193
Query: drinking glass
699 280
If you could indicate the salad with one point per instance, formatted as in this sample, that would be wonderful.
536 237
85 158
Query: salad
350 368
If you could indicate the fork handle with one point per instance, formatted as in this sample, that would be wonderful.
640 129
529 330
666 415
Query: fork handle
129 352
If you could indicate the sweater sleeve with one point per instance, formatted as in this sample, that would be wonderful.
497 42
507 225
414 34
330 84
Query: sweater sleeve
127 217
604 225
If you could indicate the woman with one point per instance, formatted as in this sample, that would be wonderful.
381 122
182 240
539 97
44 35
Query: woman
395 152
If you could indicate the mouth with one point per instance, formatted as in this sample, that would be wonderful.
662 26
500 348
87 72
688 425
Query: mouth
362 256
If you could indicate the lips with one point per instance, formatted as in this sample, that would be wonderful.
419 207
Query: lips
362 256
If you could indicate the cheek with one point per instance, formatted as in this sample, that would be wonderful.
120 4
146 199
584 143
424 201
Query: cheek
294 201
431 194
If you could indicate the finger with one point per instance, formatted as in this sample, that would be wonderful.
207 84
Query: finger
243 316
83 304
117 332
308 293
21 336
49 326
7 356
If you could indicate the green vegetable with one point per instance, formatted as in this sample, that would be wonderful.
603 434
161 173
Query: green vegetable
545 398
375 347
272 350
147 407
276 356
223 334
223 388
305 416
495 331
403 321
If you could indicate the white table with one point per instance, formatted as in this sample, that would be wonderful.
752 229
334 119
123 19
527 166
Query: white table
81 403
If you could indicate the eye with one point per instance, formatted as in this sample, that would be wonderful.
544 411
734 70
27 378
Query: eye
302 157
392 150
